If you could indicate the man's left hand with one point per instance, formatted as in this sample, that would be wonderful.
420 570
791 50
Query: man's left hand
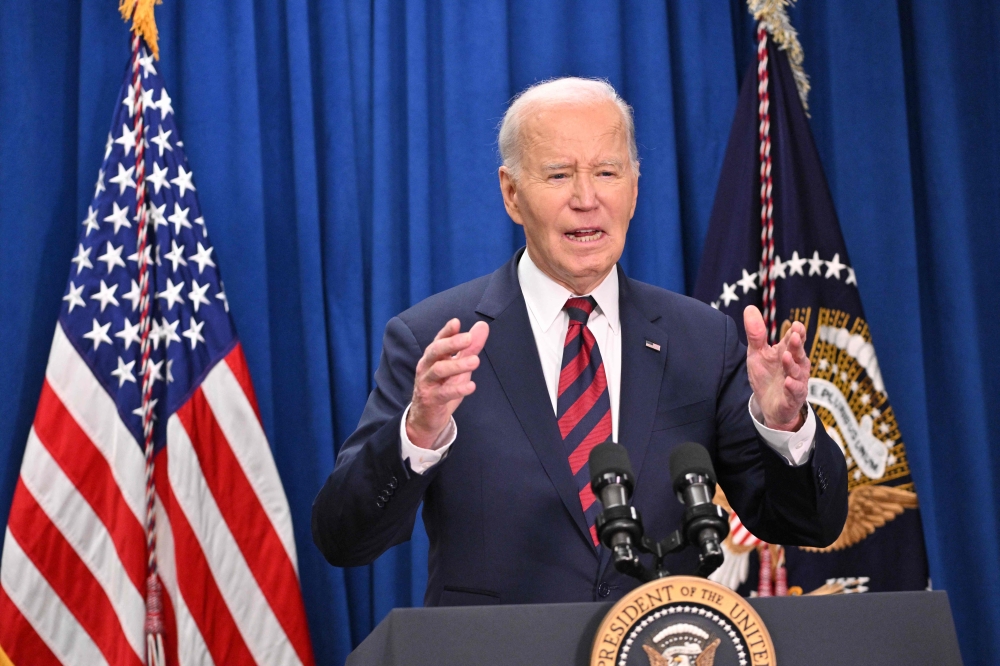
779 374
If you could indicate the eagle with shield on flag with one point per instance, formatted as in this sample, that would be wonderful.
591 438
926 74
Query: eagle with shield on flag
774 241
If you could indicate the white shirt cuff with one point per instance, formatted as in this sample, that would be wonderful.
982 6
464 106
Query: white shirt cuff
420 459
794 447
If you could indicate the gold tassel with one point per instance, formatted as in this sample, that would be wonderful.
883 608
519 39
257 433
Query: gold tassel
143 20
774 16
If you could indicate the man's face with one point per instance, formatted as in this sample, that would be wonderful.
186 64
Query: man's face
576 191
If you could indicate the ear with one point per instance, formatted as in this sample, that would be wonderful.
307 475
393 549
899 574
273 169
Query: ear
635 195
508 188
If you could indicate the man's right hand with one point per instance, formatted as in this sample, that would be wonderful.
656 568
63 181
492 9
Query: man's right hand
443 379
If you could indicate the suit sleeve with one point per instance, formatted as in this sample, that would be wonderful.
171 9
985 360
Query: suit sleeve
369 503
779 503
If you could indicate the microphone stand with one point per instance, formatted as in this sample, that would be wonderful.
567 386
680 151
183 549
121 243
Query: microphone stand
620 528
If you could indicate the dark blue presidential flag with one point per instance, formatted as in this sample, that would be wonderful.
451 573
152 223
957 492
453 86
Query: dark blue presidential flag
774 241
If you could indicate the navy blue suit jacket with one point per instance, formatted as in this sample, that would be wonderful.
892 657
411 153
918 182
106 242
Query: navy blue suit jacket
502 511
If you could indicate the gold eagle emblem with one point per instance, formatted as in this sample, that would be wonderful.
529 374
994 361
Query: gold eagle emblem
705 658
868 508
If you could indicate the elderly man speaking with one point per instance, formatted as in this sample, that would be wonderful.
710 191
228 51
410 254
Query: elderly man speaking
489 396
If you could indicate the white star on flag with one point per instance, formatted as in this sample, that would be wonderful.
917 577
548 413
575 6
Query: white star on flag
99 334
75 296
197 294
179 218
124 372
129 333
82 259
106 295
203 257
91 220
815 264
795 264
168 331
158 177
164 104
175 256
99 186
134 295
748 281
728 294
118 217
833 267
112 256
172 294
194 332
126 140
162 140
123 179
183 180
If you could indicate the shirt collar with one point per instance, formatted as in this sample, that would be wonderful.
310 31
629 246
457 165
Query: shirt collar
545 297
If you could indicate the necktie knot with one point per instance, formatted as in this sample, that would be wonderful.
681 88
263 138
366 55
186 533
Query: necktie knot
579 309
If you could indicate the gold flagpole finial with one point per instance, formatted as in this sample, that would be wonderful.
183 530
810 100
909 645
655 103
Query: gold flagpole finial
143 20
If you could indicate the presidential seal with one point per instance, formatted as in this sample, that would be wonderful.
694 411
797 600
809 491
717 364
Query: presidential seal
682 621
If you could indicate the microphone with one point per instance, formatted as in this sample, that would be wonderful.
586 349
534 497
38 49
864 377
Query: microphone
705 523
619 526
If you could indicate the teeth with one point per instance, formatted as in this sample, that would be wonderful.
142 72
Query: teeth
585 235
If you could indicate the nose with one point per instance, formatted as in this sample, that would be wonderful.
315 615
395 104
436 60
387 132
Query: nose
584 193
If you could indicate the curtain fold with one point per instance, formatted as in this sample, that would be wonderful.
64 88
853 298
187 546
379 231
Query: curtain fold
345 155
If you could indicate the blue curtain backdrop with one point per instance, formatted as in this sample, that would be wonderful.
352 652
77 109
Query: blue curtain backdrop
345 157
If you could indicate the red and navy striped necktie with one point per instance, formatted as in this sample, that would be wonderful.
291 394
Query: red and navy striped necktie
584 406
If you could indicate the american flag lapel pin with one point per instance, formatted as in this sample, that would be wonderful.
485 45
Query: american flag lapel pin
652 345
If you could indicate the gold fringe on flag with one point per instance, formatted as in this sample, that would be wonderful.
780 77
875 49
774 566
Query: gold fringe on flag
773 15
143 20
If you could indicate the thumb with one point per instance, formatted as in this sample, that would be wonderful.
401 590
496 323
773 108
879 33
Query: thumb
479 332
753 322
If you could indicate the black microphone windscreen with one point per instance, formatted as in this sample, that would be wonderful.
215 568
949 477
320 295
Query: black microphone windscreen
609 457
690 458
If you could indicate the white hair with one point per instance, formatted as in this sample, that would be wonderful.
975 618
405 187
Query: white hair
559 90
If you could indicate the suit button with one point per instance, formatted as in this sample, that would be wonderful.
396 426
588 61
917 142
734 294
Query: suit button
393 483
603 590
380 504
384 495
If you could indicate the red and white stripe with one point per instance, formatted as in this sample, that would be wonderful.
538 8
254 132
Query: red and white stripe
740 535
72 577
767 278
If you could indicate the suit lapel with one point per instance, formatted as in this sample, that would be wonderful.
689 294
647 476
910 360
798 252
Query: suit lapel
512 353
642 373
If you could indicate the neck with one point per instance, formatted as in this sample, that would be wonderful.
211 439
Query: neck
577 285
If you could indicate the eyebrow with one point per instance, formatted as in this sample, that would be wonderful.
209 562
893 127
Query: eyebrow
556 166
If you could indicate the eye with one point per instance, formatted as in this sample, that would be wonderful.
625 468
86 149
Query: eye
559 176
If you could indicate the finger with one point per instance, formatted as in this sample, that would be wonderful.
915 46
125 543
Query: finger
443 370
796 347
446 347
753 322
451 328
796 387
450 392
791 368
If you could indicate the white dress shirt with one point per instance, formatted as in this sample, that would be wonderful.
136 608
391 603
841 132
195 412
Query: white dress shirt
545 300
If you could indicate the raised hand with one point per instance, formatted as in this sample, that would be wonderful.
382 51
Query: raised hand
443 379
779 374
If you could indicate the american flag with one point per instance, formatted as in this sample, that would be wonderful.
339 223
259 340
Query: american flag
74 565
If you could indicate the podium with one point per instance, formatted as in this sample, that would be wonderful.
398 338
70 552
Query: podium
871 628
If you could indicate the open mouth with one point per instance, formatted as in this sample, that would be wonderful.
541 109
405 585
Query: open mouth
584 235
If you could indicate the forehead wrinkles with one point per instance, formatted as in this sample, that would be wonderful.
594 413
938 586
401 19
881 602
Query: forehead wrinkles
543 135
